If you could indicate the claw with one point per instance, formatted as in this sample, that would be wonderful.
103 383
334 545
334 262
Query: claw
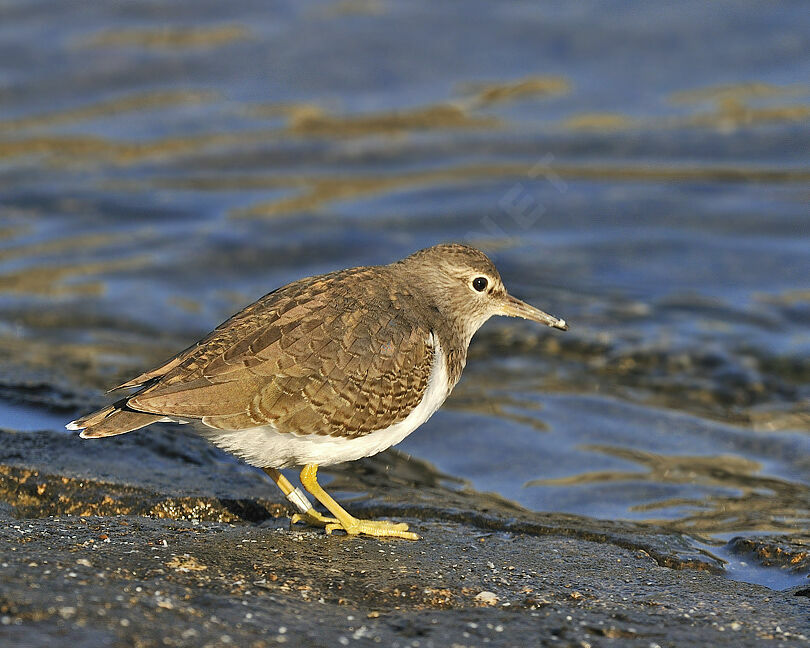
313 518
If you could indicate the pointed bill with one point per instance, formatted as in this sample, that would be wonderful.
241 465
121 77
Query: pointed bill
513 307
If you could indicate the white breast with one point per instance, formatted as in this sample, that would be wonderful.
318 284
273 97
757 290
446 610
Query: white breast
265 447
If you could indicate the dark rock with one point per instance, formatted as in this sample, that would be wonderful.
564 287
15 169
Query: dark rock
187 554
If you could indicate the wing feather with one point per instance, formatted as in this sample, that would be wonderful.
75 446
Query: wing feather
282 363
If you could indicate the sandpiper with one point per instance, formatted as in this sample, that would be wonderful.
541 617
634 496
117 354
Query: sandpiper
326 369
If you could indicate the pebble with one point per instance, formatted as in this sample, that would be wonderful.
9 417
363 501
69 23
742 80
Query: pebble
487 598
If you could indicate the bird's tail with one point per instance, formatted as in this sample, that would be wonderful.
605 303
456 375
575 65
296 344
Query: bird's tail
112 420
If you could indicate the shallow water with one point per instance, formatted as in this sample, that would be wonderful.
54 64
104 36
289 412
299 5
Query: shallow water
642 172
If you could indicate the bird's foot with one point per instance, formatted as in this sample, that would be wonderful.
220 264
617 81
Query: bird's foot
377 528
313 518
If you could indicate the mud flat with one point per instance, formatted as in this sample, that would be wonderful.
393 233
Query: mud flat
152 539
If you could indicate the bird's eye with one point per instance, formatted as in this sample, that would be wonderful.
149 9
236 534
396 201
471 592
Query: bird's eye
479 283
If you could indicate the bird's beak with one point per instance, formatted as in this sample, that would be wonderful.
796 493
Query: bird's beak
512 307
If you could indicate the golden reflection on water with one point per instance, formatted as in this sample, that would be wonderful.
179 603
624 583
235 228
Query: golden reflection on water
69 244
320 191
55 280
435 117
732 114
785 298
733 107
738 92
353 8
485 94
760 503
11 231
77 277
600 122
169 38
303 121
87 151
95 364
310 120
137 103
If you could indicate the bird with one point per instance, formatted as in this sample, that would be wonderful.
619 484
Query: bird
326 369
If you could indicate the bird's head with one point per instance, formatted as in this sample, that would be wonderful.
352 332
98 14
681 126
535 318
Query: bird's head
466 287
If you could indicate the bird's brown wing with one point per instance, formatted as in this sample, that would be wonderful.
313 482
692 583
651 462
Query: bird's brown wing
312 359
240 325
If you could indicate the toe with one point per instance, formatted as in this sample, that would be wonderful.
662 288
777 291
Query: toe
405 535
336 526
312 518
376 528
387 530
399 526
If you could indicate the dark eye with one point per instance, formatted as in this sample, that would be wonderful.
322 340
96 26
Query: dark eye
479 283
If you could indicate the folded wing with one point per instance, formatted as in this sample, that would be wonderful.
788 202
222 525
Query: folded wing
315 361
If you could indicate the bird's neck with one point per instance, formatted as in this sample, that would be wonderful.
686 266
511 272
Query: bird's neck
454 341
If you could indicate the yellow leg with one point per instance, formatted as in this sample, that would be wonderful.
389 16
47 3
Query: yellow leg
308 515
346 522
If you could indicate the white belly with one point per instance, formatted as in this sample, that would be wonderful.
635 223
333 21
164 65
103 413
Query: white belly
265 447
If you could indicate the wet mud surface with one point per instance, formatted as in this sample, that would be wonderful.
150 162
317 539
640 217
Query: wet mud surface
165 558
